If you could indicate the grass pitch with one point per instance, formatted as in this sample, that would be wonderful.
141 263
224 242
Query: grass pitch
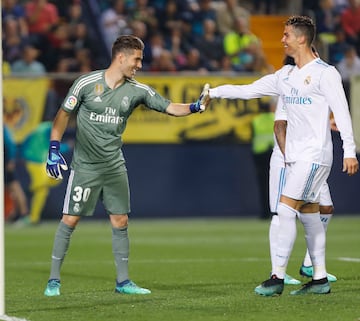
200 269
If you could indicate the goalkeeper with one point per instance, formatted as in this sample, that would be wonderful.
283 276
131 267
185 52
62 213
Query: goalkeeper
102 101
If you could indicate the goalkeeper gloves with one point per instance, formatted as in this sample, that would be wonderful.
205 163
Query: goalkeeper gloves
55 161
202 102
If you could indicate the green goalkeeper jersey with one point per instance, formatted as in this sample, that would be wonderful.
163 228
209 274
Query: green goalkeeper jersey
101 117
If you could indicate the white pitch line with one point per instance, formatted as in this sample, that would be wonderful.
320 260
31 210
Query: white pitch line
349 259
7 318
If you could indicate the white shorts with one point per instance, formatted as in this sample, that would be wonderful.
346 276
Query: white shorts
277 182
303 180
325 196
276 179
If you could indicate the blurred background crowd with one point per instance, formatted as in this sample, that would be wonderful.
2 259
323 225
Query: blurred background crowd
42 36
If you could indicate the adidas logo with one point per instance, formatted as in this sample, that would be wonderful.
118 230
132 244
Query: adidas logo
98 99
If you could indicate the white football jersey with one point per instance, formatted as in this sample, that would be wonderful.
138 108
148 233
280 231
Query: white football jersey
309 95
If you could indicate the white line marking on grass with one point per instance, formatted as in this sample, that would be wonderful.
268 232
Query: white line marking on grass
141 261
349 259
7 318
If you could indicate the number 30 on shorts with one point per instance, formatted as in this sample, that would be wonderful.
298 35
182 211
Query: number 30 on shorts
81 194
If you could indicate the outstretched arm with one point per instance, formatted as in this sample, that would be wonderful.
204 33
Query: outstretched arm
177 109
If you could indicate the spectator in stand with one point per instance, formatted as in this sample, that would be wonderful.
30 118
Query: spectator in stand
169 18
13 40
163 63
177 44
336 50
28 64
205 12
60 45
12 9
226 13
327 19
74 16
348 67
210 44
156 43
242 46
42 17
350 22
194 62
145 13
114 22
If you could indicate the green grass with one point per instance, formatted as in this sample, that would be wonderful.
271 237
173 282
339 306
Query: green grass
201 269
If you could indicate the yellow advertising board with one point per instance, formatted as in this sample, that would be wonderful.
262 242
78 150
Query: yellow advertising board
225 120
24 102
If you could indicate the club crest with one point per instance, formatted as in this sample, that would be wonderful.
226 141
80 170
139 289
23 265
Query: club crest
98 89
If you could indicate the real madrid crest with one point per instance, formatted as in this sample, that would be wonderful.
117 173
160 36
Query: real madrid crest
99 89
307 80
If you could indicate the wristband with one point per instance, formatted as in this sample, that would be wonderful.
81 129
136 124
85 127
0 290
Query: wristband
194 107
54 144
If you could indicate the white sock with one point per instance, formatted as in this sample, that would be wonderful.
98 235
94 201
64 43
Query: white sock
325 219
315 241
286 238
273 236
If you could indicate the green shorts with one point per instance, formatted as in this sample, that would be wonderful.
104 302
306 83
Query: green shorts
85 189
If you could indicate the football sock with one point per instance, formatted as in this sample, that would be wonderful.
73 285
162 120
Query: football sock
273 235
61 245
286 238
325 219
120 246
315 241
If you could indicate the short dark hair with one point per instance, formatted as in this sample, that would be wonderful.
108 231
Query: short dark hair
126 43
304 25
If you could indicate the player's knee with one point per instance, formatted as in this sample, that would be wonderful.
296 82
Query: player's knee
70 220
285 210
119 221
328 209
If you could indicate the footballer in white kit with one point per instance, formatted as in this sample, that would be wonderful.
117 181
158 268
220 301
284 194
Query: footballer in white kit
309 91
276 184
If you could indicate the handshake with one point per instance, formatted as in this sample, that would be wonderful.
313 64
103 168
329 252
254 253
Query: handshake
201 104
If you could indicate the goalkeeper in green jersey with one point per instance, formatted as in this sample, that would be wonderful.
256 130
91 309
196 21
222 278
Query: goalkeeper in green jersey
102 101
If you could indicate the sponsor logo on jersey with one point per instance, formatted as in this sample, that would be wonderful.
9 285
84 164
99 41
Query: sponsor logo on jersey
296 99
108 117
71 102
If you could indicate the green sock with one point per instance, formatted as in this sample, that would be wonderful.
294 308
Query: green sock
61 245
120 246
